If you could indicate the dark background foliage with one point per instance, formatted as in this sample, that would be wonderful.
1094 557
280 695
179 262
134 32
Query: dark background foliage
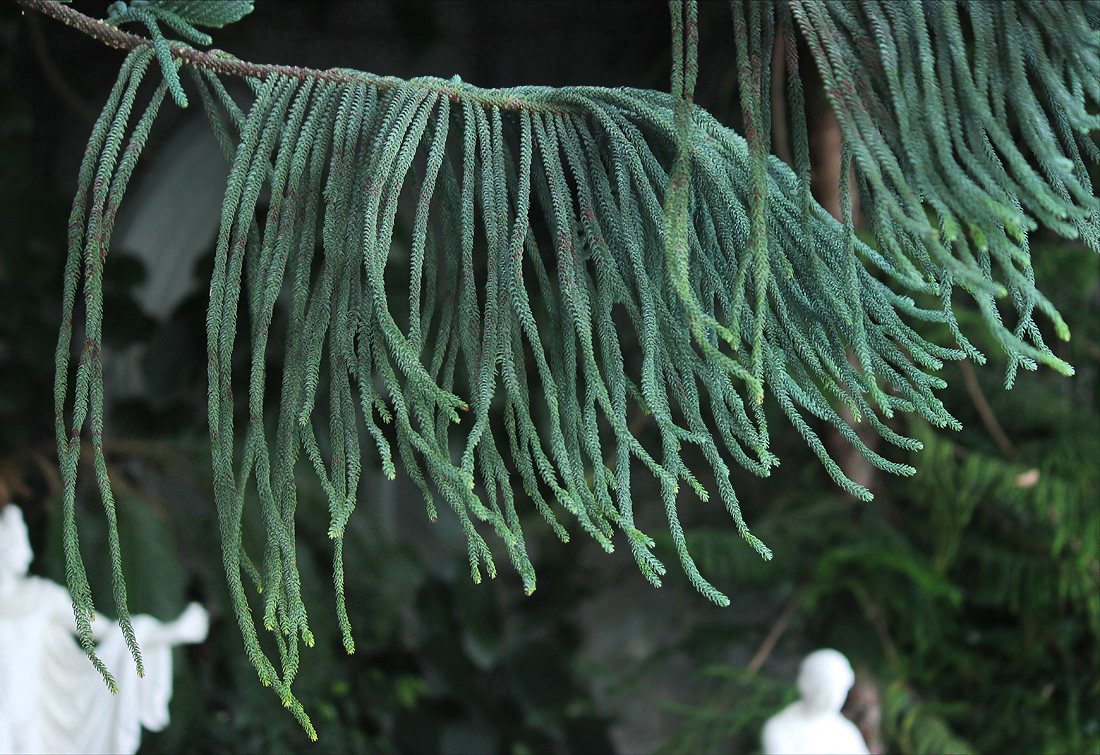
968 596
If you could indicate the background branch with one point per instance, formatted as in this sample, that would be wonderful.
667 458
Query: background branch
53 75
989 419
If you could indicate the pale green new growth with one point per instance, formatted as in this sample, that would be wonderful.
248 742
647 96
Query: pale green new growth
558 233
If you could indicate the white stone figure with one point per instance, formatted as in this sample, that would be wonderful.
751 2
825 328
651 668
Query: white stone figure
51 698
813 725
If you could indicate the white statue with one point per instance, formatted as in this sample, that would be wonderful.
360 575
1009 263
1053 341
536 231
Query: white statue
51 698
813 724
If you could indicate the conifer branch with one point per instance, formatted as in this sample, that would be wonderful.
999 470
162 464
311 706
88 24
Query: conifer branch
554 230
220 62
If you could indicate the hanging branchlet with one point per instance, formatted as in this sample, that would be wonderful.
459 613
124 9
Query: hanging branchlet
556 233
101 183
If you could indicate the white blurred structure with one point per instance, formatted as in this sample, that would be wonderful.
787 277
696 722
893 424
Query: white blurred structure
814 725
51 698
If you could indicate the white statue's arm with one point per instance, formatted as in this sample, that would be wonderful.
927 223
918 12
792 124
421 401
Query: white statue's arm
59 610
191 626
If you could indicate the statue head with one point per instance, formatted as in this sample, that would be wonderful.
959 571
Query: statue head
824 680
15 545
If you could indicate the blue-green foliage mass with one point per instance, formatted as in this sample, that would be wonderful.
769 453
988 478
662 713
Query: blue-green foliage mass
558 233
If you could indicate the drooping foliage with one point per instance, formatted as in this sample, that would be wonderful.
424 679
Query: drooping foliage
942 585
556 233
928 96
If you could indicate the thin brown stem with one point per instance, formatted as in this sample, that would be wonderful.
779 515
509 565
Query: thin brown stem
210 60
985 411
776 631
219 61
